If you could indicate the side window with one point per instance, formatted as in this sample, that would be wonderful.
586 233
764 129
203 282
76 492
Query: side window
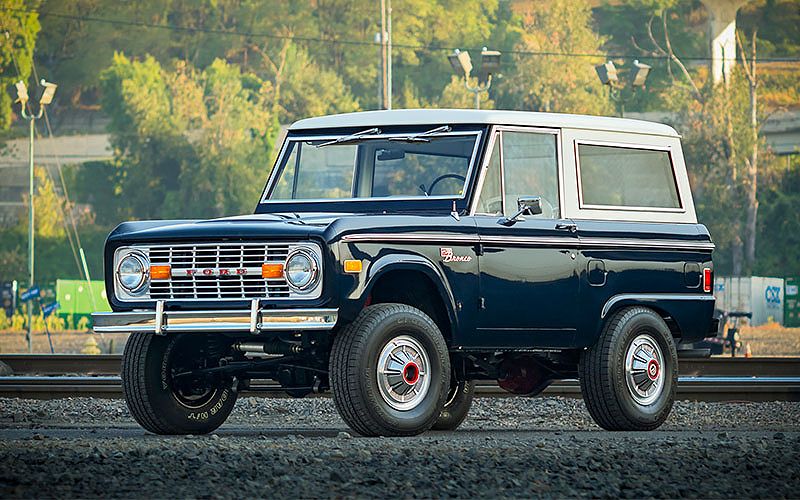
491 200
626 177
530 167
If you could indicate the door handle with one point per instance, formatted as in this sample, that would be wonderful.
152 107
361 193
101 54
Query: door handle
567 226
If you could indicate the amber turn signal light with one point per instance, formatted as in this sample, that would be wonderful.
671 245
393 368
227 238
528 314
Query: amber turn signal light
160 272
271 271
352 266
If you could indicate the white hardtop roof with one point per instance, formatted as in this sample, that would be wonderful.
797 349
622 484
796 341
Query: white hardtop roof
482 117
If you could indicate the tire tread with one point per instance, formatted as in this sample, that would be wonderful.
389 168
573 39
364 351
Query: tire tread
594 372
348 345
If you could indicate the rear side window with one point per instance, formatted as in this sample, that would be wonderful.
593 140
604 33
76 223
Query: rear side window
613 176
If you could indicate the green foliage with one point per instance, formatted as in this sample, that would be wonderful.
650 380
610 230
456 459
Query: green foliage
186 142
48 208
18 31
624 27
717 142
194 112
779 228
455 96
54 257
555 83
301 88
778 24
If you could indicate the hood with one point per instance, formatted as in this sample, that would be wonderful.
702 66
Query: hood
289 226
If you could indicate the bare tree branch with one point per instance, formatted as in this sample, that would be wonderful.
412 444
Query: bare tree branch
659 50
678 62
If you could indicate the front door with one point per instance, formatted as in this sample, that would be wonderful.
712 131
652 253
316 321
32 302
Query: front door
528 268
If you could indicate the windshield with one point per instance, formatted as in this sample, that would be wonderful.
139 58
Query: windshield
374 167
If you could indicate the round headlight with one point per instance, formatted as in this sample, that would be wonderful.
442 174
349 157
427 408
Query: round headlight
301 270
132 272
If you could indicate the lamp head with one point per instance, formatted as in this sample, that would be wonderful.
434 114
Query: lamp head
48 91
607 73
640 73
490 64
461 63
22 92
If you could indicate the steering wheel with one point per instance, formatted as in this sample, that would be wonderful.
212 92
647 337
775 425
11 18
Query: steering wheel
443 177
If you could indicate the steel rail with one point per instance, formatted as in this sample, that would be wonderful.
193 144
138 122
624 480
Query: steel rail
109 364
711 379
705 388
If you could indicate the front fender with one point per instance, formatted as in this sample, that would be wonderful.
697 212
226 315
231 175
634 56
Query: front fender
359 295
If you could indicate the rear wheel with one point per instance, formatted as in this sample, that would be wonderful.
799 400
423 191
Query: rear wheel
628 378
163 404
390 371
456 406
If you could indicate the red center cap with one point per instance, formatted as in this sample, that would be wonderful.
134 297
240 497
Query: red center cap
652 369
411 373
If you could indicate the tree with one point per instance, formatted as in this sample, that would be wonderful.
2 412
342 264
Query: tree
749 69
18 31
550 82
187 142
48 208
299 87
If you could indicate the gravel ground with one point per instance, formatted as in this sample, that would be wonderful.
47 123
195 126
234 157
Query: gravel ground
511 447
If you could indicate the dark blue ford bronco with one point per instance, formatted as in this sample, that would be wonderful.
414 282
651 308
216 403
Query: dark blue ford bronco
397 257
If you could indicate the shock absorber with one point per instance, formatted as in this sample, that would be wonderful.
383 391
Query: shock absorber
273 347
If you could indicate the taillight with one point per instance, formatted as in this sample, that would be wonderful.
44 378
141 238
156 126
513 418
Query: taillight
708 279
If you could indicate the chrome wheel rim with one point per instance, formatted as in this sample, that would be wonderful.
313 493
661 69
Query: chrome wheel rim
403 373
644 369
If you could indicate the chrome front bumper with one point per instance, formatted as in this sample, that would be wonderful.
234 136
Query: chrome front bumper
254 320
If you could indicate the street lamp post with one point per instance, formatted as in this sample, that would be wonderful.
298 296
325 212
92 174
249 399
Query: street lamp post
461 63
608 75
48 91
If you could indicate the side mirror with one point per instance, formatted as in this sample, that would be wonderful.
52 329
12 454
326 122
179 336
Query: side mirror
528 205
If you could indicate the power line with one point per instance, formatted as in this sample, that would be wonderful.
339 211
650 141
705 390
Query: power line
343 41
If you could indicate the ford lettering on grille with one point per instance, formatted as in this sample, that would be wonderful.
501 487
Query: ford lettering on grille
241 271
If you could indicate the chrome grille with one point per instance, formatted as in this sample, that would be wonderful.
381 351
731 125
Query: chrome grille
224 263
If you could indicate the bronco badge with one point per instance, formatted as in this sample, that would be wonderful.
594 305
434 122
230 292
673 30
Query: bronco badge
448 256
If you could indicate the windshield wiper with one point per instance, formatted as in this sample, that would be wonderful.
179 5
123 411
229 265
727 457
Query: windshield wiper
351 137
424 136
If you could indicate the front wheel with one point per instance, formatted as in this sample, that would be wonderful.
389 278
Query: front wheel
628 378
390 371
163 404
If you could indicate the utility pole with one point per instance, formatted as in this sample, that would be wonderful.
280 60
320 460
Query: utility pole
384 62
389 56
31 120
49 90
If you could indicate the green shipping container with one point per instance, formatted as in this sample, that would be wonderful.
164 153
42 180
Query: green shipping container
791 309
79 298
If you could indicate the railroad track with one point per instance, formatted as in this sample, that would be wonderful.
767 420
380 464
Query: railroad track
713 379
